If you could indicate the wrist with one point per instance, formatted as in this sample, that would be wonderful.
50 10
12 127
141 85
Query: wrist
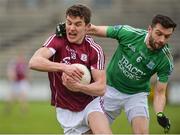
62 67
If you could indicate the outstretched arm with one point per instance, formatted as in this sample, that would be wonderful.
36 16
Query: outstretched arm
93 30
159 105
100 31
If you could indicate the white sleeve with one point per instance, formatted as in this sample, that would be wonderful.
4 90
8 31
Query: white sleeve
52 50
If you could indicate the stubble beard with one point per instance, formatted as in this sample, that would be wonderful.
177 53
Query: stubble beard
152 44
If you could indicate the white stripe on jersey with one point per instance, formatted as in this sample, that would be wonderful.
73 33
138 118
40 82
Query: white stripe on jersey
135 30
99 50
167 53
49 40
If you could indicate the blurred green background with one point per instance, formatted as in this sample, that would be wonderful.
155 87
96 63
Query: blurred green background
26 24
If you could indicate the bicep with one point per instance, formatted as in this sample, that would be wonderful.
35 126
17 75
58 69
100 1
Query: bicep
102 31
43 52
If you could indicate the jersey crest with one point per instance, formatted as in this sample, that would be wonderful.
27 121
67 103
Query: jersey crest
84 57
151 65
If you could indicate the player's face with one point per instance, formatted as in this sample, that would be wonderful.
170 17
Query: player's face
75 29
158 36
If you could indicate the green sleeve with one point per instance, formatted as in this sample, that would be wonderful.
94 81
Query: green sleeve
114 31
164 73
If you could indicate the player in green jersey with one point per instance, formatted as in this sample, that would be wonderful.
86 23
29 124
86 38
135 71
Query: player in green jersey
140 55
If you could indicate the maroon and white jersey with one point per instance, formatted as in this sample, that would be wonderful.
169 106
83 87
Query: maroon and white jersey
88 53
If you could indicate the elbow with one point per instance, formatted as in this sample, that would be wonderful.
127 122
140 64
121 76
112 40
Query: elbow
102 91
102 88
31 64
160 92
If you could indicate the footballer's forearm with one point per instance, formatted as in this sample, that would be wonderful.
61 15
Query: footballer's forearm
160 97
94 89
98 87
159 103
45 65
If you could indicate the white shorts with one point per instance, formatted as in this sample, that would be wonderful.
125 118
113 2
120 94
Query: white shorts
77 122
134 105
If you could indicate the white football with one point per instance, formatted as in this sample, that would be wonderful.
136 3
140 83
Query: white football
86 78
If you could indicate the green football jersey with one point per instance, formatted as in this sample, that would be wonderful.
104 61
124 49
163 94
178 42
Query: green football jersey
133 64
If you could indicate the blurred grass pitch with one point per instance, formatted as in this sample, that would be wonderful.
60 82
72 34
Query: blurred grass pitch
41 119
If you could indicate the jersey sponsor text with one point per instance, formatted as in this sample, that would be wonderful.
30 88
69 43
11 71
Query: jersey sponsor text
129 70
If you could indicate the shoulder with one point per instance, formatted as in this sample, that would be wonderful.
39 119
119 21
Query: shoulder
53 39
124 31
133 31
126 28
167 58
166 51
90 41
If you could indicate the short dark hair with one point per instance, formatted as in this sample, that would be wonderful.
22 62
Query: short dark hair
80 11
165 21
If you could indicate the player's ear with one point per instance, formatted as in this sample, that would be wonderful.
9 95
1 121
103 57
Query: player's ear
88 26
149 28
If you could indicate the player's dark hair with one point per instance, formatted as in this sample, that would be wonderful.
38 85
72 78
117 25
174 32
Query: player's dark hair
79 11
165 21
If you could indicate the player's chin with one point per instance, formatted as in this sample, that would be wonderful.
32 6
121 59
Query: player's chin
159 46
72 39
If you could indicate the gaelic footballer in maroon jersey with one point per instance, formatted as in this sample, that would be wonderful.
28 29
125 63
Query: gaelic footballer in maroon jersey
88 53
79 107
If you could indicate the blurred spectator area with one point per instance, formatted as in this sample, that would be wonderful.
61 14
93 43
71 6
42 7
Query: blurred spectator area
25 24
